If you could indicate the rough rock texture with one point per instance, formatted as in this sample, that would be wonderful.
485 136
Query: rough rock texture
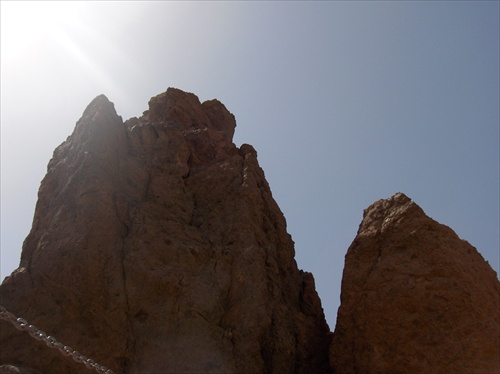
157 247
11 369
415 298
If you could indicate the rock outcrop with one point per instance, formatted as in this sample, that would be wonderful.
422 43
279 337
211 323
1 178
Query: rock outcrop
157 247
415 298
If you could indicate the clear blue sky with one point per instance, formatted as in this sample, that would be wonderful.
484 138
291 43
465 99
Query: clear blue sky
345 102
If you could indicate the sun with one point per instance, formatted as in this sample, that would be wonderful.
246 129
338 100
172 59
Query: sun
26 25
43 38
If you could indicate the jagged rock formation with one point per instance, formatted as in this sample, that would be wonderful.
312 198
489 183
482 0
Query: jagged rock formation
415 298
157 247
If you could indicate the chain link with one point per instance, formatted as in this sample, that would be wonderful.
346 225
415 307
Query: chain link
23 325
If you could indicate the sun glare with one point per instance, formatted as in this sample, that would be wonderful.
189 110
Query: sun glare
59 34
29 25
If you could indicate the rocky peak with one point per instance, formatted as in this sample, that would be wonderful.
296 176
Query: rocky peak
99 104
415 298
98 122
386 213
157 247
184 109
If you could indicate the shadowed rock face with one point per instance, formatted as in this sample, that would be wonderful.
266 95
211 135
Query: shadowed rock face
157 247
415 298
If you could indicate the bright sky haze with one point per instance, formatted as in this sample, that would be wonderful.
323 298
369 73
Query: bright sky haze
345 102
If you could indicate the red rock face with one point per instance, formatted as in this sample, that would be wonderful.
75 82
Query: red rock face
157 247
415 298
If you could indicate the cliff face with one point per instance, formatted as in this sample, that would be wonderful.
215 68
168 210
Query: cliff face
157 247
415 298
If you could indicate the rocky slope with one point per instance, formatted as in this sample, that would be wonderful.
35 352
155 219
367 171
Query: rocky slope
157 247
415 298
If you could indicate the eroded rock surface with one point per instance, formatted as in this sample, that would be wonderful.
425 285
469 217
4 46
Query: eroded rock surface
415 298
157 247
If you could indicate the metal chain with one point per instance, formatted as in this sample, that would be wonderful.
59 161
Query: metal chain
22 324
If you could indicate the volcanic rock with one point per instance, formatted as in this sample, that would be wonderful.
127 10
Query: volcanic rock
415 298
157 247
